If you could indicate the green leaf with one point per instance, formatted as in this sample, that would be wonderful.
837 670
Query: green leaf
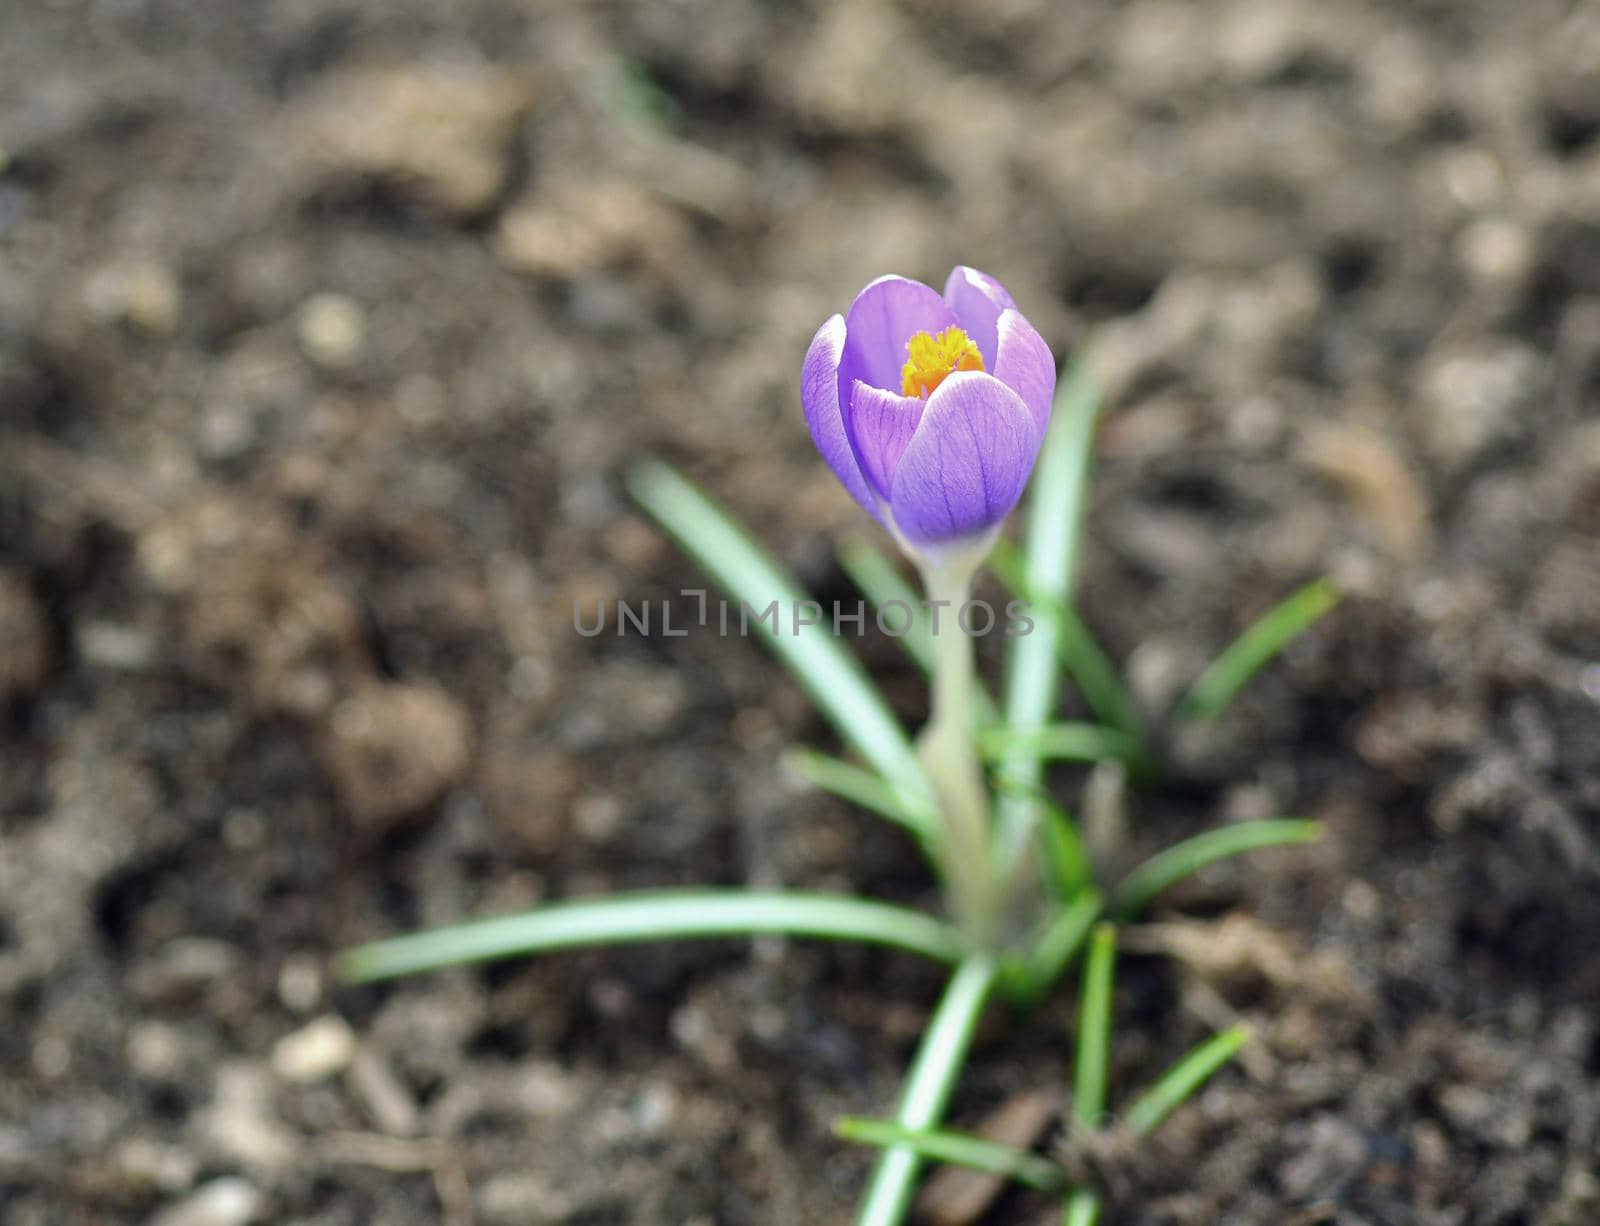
881 582
1085 660
660 915
1055 513
1140 887
1048 958
958 1149
1092 1062
836 681
1179 1082
1094 1029
927 1090
1264 639
1066 858
859 787
1065 742
1083 1209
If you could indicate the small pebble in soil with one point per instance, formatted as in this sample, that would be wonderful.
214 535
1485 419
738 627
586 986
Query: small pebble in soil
1473 397
598 816
439 134
241 1125
226 430
300 982
155 1051
581 227
1589 681
317 1051
184 965
1361 901
523 1199
51 1058
143 1164
116 647
1497 254
226 1201
142 294
395 748
655 1108
1474 178
332 330
545 1090
379 1089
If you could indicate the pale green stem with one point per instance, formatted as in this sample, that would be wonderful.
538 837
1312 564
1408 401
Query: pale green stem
927 1090
950 756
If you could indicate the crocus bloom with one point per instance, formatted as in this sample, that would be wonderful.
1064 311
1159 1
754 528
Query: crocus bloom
930 409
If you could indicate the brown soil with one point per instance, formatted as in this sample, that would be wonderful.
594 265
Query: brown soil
325 332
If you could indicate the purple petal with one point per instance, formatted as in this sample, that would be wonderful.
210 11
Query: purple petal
882 319
880 425
1026 366
977 300
968 462
819 395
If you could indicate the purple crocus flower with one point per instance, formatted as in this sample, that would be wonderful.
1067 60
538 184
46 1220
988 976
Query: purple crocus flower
930 409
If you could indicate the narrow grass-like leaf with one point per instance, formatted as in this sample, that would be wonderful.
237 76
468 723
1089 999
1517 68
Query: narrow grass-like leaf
659 915
1083 1209
958 1149
1065 742
881 582
1055 514
1140 887
1049 957
927 1090
1085 660
834 678
1265 638
1094 1029
1184 1078
1066 858
1093 1057
849 782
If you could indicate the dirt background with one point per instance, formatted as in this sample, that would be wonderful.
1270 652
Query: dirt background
326 329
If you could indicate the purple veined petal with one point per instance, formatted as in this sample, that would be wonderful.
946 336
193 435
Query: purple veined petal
1025 364
819 396
882 319
977 300
968 462
880 425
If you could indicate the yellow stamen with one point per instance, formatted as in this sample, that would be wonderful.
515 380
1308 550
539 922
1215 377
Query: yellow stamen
934 357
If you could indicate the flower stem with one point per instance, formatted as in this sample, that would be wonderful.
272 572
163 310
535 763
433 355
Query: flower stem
950 756
927 1089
